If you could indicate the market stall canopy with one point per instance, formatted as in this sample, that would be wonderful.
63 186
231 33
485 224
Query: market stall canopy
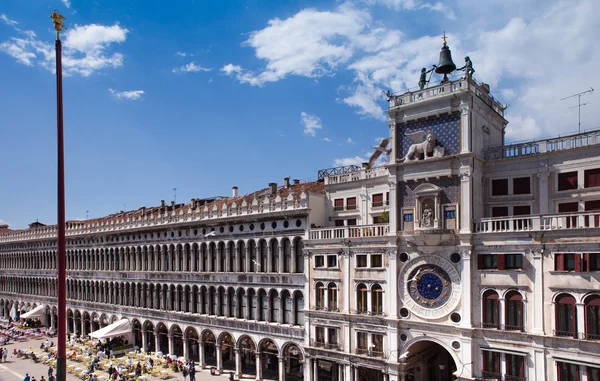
118 328
36 313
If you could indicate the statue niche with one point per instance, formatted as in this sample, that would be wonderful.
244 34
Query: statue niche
428 206
428 148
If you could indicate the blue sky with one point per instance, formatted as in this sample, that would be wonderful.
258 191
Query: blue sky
204 95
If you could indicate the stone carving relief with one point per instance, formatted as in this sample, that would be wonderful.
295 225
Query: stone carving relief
428 148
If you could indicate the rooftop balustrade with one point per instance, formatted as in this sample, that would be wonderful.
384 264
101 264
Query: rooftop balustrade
342 232
543 222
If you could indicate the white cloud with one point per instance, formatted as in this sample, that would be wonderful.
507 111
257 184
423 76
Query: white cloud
85 49
413 5
379 139
356 160
67 3
522 128
327 140
2 222
311 123
7 21
132 95
350 141
190 68
181 54
210 80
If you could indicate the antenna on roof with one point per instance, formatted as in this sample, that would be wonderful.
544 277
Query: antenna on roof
175 195
86 214
579 104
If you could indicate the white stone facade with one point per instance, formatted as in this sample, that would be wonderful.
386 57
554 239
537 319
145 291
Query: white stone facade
462 258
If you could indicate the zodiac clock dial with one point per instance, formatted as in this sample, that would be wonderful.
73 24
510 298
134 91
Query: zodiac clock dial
429 286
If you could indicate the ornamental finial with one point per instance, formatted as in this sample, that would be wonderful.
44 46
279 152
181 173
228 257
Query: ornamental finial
57 19
444 38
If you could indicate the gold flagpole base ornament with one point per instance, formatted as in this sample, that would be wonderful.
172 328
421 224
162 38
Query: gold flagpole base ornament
57 19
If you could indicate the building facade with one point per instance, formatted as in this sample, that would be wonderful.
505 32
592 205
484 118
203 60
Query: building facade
462 258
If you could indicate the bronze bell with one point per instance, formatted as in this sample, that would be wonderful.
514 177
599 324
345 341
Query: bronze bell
446 65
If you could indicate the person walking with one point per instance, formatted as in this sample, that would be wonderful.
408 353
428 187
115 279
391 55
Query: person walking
27 378
192 371
185 372
50 371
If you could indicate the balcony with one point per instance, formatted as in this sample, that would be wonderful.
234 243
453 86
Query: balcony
333 176
342 232
548 145
548 222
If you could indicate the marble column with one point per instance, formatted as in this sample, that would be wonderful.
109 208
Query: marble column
580 318
538 293
238 363
171 343
186 350
219 358
315 370
281 369
258 367
156 342
202 359
293 259
144 341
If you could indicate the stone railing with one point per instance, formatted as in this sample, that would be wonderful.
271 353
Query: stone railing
446 89
356 176
360 231
542 146
125 222
581 220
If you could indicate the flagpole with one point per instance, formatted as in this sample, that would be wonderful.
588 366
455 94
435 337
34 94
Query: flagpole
61 360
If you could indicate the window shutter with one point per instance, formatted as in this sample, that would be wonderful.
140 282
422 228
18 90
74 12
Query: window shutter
500 261
577 262
585 266
559 262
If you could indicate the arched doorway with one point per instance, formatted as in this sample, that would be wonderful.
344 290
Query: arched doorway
208 345
137 333
227 353
269 354
95 322
55 320
77 322
163 339
177 340
86 324
193 344
70 322
48 317
247 355
150 338
425 360
293 362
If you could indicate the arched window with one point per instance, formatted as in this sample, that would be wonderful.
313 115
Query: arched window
514 311
332 296
376 300
361 299
319 296
299 308
592 317
566 316
490 309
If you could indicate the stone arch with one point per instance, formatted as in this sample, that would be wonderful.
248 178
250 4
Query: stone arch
162 336
177 335
136 328
441 362
293 359
193 340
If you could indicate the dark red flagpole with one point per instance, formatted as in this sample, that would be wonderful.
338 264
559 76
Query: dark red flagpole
61 359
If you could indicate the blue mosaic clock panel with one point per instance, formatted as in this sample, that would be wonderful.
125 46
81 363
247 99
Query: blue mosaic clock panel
446 130
429 286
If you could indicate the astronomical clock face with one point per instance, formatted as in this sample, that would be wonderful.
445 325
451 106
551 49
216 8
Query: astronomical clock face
429 287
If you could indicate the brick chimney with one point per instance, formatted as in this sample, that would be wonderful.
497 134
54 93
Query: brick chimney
162 203
296 181
286 181
193 203
273 188
234 191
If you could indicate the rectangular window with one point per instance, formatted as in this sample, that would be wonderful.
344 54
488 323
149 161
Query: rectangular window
500 211
377 200
351 222
567 262
591 178
500 187
488 261
320 335
376 260
491 364
513 261
408 217
567 181
351 203
567 372
523 210
361 260
568 207
515 366
377 345
521 185
319 261
332 261
375 220
592 261
332 336
361 342
339 223
338 204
